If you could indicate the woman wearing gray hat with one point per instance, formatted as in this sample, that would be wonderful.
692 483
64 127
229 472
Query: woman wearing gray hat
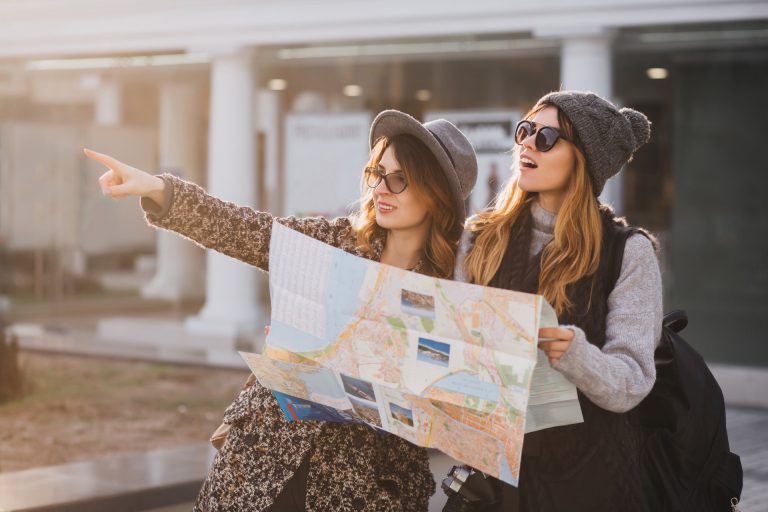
411 215
548 233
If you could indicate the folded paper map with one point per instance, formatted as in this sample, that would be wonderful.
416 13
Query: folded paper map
443 364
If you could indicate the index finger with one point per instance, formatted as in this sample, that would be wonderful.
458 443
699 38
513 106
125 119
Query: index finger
556 346
103 159
555 333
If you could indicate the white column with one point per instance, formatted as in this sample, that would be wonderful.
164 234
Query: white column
109 103
231 306
585 64
180 264
268 116
270 187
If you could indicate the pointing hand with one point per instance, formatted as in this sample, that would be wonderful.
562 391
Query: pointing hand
122 180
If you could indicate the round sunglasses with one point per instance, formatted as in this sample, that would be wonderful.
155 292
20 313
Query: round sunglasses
546 136
394 181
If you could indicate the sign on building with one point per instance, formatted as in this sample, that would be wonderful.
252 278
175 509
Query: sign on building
324 159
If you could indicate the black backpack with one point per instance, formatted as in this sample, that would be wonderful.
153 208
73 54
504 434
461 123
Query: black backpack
686 456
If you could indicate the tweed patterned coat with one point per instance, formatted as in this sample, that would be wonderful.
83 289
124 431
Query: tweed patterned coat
351 467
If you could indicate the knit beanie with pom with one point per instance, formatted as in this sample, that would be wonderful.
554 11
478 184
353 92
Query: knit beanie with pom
607 135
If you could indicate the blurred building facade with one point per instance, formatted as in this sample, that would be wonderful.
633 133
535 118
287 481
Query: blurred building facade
213 91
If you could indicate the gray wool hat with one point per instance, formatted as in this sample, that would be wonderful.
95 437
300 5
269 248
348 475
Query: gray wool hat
609 136
453 151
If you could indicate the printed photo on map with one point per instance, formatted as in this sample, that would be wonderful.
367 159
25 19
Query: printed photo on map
418 304
434 352
358 388
401 414
367 411
297 409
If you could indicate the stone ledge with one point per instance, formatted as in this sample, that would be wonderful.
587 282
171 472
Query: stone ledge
126 482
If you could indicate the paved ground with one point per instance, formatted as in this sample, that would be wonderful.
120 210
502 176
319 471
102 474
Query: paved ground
748 435
154 477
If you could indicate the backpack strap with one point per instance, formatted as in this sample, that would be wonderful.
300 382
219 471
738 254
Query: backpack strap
615 251
676 320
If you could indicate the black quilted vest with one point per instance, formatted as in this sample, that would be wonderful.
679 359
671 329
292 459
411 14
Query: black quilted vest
590 466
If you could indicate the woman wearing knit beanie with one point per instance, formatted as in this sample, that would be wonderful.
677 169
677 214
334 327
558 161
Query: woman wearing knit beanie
548 233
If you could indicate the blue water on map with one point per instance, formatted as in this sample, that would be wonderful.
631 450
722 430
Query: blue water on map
345 278
506 473
469 384
297 409
290 338
323 381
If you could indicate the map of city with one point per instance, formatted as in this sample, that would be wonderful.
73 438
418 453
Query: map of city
441 363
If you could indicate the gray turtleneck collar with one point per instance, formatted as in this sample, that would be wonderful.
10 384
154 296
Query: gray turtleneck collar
543 223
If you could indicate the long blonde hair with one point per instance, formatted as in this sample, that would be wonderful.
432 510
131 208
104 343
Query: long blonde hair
573 253
428 180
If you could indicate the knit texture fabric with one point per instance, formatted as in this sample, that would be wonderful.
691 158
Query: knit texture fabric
609 136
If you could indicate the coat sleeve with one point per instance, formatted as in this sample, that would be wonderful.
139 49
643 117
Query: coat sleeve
406 467
237 231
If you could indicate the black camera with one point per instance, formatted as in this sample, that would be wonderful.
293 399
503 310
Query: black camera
469 490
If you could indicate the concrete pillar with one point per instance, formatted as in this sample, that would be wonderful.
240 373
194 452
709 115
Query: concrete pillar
271 183
585 64
231 307
180 264
109 103
268 123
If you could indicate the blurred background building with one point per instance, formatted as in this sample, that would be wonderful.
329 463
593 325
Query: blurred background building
268 103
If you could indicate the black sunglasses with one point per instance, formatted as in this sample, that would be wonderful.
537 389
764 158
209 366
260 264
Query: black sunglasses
394 181
546 136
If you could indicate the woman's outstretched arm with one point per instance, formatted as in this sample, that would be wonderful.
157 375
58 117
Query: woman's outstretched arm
187 209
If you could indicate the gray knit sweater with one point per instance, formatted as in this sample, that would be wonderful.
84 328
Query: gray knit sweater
618 376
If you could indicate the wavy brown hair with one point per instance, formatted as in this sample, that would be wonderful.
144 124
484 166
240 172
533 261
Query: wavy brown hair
573 253
427 179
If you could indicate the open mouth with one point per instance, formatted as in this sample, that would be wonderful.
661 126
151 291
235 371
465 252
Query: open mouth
527 163
385 208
